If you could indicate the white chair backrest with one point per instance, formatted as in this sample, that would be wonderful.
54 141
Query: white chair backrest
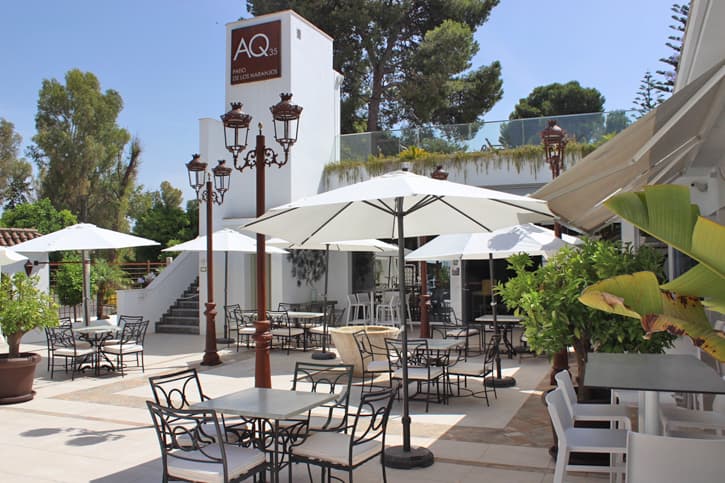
663 459
363 297
560 416
563 381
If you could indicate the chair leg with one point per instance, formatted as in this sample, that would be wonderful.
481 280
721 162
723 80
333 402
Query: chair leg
562 458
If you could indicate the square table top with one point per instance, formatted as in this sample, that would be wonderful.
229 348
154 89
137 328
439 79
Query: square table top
294 314
434 344
266 403
503 319
652 372
95 329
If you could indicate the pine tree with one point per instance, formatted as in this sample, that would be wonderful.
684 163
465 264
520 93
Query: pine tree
649 94
681 13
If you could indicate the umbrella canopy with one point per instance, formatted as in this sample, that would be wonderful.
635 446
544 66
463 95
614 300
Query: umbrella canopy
367 210
224 240
503 243
392 206
8 256
369 245
83 237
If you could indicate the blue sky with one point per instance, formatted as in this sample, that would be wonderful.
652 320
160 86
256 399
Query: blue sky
166 59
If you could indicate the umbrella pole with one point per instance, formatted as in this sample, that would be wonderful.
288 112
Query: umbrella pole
324 354
405 457
86 287
226 339
497 381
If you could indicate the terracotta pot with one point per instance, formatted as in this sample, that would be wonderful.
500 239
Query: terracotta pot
16 377
346 347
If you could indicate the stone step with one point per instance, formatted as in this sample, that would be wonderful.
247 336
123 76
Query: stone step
162 328
180 319
183 312
186 305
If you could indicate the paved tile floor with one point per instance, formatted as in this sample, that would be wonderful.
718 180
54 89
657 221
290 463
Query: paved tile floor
97 429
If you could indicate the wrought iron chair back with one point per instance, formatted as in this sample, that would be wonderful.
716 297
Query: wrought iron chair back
178 390
326 378
192 446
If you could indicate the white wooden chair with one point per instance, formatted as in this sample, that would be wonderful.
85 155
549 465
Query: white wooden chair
662 459
591 412
583 440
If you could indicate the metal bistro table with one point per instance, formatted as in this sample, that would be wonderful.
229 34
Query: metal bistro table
507 324
651 374
268 407
303 320
96 335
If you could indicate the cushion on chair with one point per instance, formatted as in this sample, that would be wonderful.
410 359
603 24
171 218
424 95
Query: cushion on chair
239 461
378 366
334 447
69 352
287 332
247 330
473 369
123 348
461 333
420 373
317 329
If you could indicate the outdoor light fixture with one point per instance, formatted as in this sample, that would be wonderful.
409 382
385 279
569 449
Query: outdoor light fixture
554 139
236 126
440 173
236 130
29 267
200 181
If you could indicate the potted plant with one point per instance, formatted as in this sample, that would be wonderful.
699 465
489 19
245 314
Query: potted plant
23 307
546 300
678 306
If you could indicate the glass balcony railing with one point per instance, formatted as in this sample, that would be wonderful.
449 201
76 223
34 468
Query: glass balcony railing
482 136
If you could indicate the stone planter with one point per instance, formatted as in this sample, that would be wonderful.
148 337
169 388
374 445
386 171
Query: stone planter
16 377
346 347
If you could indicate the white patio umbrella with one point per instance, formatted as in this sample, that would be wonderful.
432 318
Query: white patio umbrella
8 256
527 238
392 206
367 245
83 237
225 240
502 243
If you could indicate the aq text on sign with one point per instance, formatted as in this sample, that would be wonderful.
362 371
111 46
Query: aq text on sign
256 53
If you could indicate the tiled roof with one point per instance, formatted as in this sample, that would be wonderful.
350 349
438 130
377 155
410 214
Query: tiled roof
13 236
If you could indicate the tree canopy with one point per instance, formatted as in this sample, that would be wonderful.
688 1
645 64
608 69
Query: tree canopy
680 15
404 61
555 100
159 216
15 172
40 215
79 149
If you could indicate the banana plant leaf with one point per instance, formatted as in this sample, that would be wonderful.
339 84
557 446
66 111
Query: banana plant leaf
640 296
665 212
